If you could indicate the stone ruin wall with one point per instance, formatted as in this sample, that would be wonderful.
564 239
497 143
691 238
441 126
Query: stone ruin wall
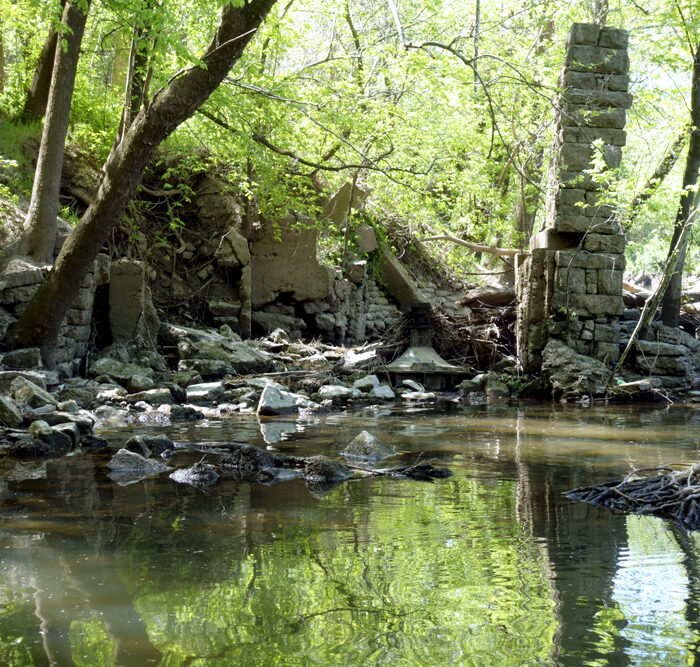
569 287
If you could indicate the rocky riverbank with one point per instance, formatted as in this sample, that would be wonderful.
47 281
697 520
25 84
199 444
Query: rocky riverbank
199 374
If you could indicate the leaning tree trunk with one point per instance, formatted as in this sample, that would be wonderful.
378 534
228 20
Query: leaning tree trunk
38 93
40 225
671 304
122 172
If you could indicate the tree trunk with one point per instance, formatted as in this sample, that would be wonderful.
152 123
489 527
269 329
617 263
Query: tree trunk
40 225
122 172
38 94
671 304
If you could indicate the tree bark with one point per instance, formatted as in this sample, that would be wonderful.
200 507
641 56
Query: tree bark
38 93
122 172
671 304
40 224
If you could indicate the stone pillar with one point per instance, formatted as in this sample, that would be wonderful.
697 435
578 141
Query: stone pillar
131 311
570 285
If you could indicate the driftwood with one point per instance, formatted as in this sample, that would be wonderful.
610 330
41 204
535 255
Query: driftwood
673 494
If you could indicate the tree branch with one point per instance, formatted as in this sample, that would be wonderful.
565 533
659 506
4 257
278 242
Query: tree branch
476 247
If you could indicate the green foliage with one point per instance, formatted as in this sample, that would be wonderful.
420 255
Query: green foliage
451 138
16 167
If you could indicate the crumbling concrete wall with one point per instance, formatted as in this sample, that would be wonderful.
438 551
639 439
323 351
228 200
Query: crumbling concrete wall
570 285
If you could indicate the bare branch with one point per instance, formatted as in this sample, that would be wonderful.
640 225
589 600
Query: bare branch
476 247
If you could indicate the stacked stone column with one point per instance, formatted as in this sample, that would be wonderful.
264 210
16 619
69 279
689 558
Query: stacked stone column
570 286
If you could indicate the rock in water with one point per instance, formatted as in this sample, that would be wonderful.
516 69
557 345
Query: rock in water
199 475
322 469
366 447
127 467
247 459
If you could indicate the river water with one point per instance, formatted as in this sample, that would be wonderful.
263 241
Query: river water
492 566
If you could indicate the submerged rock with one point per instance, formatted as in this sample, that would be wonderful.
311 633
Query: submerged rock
321 469
366 447
127 467
199 475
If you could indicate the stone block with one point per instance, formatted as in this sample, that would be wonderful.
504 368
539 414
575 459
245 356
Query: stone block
572 281
325 322
598 98
366 239
84 299
587 305
591 280
607 333
78 317
609 282
593 81
602 60
664 365
357 272
607 352
28 357
582 135
583 33
578 157
102 265
127 291
585 260
581 115
582 224
65 354
657 348
613 38
601 211
224 308
22 294
77 332
578 179
233 250
570 201
287 263
610 243
19 271
397 280
584 347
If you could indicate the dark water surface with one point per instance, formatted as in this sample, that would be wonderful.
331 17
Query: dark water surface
492 566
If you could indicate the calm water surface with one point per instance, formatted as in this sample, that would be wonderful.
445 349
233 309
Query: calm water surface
492 566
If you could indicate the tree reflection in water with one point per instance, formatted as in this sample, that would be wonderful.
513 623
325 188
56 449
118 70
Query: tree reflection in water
491 566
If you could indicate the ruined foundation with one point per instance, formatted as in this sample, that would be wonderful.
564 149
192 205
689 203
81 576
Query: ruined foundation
570 284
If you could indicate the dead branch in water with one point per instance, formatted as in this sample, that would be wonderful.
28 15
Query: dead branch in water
673 495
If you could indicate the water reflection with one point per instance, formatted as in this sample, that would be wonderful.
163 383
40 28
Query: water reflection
490 567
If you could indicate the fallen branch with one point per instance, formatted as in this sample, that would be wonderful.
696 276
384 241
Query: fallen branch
422 470
476 247
673 495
